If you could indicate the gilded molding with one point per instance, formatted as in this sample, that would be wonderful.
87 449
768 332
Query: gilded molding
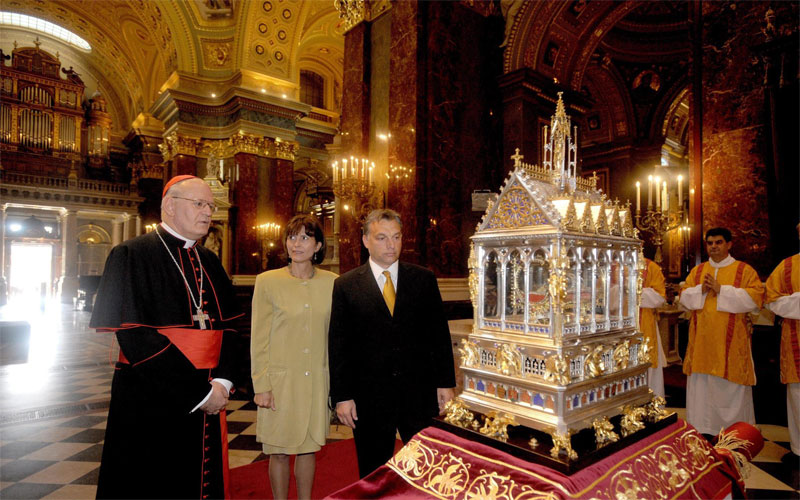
286 150
351 12
246 143
217 53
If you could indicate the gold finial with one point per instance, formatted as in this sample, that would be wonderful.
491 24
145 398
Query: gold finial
516 157
37 43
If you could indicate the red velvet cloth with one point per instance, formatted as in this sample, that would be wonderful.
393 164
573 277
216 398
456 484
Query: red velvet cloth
676 462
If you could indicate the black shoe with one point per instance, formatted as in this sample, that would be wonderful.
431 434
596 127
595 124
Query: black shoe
791 459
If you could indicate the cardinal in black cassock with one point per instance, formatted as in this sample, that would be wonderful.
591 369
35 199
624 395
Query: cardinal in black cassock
169 301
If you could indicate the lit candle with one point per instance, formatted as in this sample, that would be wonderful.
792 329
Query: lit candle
680 192
638 196
658 193
649 192
665 198
371 168
344 168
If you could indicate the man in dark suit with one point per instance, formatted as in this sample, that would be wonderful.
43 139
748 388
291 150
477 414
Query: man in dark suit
391 359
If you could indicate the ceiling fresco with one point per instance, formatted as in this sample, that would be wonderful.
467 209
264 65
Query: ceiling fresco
139 45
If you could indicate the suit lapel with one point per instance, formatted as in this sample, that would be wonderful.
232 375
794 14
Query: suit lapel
405 289
373 296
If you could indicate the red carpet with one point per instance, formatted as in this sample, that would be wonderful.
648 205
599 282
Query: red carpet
336 468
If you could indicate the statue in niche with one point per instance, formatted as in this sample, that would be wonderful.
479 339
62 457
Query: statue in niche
509 9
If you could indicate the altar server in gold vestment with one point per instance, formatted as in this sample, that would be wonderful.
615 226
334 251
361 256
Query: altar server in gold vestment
653 296
289 353
720 293
783 298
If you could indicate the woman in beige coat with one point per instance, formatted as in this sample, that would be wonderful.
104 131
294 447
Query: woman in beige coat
289 356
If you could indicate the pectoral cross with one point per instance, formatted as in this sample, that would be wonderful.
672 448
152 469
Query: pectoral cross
201 318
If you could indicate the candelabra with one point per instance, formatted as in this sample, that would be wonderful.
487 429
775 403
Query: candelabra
353 182
658 219
268 234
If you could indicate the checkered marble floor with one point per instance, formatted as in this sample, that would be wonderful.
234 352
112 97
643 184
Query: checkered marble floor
53 417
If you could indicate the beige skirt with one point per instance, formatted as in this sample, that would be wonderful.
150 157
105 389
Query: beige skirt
307 446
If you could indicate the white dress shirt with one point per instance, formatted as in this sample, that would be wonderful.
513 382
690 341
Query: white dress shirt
377 272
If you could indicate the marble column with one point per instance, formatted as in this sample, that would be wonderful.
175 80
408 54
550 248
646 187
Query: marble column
68 283
3 281
245 198
138 226
184 165
116 232
126 227
283 191
736 133
355 124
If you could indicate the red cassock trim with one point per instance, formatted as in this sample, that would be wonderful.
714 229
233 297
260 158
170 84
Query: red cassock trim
787 281
732 317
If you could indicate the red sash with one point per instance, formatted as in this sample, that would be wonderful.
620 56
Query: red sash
737 282
788 290
201 347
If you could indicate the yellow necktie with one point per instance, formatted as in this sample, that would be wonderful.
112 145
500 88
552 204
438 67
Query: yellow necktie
388 292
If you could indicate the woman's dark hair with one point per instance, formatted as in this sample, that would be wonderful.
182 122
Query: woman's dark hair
312 227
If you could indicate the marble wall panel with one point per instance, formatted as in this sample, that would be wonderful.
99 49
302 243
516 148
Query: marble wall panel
734 141
459 146
185 165
245 197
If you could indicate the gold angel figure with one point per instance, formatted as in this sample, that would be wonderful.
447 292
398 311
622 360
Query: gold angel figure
469 352
604 432
508 360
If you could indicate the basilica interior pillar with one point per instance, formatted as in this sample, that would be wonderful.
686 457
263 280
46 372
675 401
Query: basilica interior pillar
68 283
3 281
245 198
355 134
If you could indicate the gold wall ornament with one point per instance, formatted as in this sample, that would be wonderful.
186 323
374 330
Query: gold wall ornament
604 432
216 53
247 143
470 353
351 12
632 419
622 355
169 148
286 150
458 414
496 425
594 366
508 360
533 443
562 442
556 369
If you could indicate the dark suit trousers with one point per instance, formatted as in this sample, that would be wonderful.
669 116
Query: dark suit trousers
375 439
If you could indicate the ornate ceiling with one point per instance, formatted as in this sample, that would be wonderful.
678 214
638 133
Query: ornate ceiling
138 46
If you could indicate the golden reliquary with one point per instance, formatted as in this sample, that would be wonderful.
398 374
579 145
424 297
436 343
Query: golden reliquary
555 285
